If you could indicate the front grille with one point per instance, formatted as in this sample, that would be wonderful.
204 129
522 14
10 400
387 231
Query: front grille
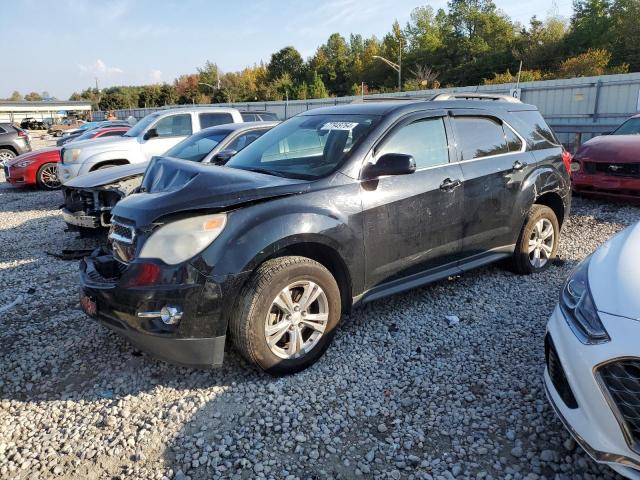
121 232
123 239
621 381
78 200
614 169
557 375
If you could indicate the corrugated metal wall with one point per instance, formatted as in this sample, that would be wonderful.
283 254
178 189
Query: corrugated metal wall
578 106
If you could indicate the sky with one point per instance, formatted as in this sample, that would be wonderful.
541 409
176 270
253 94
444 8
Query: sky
61 46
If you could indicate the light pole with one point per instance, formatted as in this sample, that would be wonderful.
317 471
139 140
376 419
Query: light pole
396 66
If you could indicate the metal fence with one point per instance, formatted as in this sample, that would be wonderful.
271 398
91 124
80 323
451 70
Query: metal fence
576 108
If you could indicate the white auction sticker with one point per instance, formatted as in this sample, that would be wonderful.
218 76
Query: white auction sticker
339 126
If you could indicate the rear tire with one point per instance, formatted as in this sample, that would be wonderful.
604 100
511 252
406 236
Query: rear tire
538 241
6 155
47 177
272 325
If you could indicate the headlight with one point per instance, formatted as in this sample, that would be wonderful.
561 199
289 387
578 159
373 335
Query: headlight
71 155
579 308
24 163
181 240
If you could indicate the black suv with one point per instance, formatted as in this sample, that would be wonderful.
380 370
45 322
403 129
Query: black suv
335 207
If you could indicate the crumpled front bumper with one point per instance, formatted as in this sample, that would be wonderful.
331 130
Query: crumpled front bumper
196 341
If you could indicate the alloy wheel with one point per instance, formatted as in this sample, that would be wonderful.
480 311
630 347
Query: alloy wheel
6 156
49 177
297 319
541 243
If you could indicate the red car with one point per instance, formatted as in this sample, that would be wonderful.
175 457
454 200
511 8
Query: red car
39 167
609 165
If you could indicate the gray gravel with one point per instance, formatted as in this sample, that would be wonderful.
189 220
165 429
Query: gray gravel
400 394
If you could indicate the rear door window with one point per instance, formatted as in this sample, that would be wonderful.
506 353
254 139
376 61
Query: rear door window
174 126
479 137
212 119
425 140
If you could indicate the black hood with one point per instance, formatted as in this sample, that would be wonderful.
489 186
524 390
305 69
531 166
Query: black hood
171 186
107 176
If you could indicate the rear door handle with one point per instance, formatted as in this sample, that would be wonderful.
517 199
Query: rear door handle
449 185
518 165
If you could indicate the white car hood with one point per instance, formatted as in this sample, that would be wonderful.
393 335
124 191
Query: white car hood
104 144
614 274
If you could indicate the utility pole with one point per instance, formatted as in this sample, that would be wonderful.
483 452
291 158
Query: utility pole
400 66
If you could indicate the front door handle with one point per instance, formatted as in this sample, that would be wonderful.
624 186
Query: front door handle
518 165
449 185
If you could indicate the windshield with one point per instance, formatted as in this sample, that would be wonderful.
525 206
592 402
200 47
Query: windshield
142 125
198 146
306 146
85 136
630 127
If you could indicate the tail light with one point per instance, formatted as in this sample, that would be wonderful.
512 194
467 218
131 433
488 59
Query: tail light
566 158
21 133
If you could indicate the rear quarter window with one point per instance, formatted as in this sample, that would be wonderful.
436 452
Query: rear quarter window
534 128
213 119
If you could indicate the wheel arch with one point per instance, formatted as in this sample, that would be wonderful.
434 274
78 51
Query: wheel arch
553 200
115 162
9 147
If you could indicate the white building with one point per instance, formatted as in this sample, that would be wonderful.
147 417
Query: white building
47 111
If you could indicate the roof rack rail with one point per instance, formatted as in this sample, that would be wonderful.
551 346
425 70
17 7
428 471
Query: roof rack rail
414 98
476 96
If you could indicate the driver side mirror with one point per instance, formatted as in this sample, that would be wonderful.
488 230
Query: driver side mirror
151 133
390 164
223 156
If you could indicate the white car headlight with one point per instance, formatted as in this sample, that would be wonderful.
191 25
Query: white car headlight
181 240
24 163
71 155
579 308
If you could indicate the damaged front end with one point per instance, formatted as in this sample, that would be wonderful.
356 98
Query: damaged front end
90 208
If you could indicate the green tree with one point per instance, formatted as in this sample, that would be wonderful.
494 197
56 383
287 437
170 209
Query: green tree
317 88
15 96
591 63
286 61
625 46
33 97
332 62
591 26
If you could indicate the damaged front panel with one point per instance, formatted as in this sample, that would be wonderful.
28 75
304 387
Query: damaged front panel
91 207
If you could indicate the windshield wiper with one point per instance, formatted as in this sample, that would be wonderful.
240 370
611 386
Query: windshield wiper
265 171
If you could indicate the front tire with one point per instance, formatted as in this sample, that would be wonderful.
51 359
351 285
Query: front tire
538 242
286 315
47 177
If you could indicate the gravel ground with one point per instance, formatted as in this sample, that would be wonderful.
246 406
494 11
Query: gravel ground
400 394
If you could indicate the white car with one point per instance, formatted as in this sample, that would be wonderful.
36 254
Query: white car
592 350
152 135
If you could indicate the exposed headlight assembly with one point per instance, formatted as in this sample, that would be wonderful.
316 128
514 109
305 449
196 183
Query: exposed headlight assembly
579 308
181 240
70 155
